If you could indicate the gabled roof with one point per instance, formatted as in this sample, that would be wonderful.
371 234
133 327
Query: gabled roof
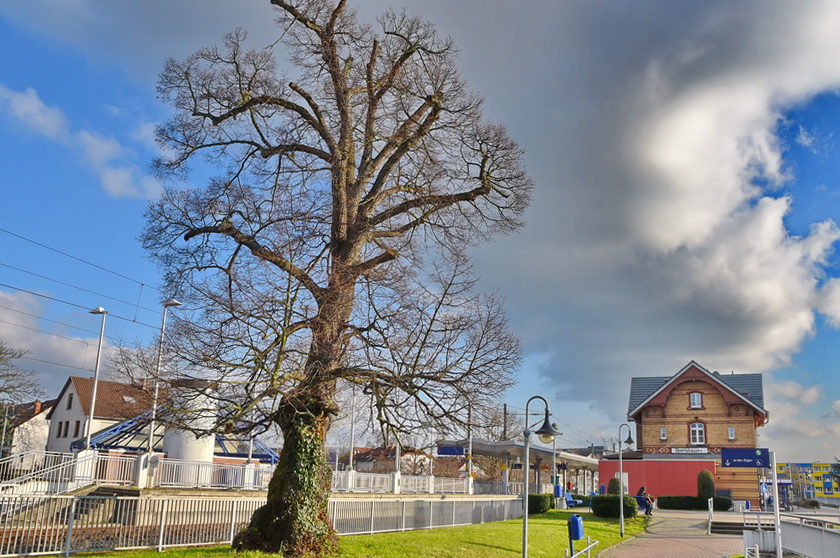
24 412
746 387
114 400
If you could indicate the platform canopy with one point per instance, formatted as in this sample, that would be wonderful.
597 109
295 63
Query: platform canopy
133 436
513 451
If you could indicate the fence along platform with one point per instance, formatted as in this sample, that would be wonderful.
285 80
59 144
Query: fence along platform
68 524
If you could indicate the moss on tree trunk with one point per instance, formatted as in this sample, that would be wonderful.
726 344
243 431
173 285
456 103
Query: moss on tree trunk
295 519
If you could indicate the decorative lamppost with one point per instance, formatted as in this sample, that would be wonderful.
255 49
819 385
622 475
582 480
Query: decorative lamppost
629 442
103 313
547 434
171 303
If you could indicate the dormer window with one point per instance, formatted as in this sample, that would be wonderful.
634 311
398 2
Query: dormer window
695 400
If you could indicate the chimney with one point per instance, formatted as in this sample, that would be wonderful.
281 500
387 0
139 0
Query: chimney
37 407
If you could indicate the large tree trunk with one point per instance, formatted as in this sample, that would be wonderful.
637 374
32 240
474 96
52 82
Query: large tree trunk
295 521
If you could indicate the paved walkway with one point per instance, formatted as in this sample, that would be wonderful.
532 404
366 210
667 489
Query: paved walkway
678 534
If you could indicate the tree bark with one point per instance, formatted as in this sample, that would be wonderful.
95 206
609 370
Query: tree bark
295 520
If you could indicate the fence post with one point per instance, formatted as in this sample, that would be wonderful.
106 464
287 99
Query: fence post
162 522
69 537
403 515
233 519
372 514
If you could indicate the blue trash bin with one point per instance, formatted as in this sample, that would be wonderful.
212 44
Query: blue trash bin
747 505
575 527
558 491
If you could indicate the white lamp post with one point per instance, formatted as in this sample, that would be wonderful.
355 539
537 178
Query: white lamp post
171 303
103 313
628 441
547 434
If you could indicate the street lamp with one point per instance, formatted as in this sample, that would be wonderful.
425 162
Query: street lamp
546 434
629 442
103 313
171 303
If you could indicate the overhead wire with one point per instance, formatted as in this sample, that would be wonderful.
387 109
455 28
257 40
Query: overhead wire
115 316
136 305
105 269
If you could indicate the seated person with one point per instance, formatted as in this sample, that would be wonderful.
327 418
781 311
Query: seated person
642 493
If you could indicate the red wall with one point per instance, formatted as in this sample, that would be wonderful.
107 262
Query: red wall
660 478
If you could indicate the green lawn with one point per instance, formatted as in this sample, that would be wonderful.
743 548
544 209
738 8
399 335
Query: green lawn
547 536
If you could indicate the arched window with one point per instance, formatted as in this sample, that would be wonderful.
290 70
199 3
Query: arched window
697 433
695 400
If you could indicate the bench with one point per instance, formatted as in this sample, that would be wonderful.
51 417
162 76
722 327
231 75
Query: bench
571 502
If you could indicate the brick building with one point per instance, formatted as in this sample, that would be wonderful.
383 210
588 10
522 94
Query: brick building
682 423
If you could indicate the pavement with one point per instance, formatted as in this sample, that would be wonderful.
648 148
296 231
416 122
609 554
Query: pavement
678 534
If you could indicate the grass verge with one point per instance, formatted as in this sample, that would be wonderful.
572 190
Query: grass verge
547 536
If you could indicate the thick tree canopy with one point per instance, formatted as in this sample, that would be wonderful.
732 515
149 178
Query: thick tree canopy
330 245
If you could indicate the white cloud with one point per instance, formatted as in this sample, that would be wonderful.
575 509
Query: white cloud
27 108
110 160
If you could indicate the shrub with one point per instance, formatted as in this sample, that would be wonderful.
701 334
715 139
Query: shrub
705 485
721 503
613 486
607 506
539 503
692 503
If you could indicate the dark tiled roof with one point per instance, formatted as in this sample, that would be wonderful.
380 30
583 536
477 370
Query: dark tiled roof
113 399
749 386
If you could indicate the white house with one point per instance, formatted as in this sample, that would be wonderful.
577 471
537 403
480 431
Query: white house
31 429
115 402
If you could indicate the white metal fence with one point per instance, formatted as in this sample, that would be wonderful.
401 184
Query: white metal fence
34 525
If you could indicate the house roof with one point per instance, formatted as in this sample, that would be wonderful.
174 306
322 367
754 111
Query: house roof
747 387
24 412
114 400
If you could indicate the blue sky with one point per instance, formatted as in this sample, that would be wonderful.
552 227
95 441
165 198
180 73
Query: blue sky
686 158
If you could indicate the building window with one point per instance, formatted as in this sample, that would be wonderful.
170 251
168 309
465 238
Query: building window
731 432
69 401
663 433
76 429
697 432
695 400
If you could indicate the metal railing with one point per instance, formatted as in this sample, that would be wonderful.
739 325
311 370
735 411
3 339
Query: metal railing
32 525
807 535
27 462
357 516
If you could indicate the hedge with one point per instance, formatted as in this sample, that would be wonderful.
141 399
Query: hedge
607 506
692 503
539 503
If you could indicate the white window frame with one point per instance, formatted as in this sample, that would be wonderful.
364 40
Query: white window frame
695 400
731 432
663 433
697 434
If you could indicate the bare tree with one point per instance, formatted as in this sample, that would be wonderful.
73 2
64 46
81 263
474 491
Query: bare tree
17 385
331 244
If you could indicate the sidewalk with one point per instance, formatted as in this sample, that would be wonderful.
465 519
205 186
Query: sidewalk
673 533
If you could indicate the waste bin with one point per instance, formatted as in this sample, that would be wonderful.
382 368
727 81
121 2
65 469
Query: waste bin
575 531
747 505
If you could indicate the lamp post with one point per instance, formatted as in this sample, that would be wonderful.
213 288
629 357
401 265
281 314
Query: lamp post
628 441
171 303
547 434
101 311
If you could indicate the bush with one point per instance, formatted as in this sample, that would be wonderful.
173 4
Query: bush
614 486
692 503
807 504
705 485
607 506
539 503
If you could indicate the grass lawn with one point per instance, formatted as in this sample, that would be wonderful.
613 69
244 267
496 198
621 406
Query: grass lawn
547 536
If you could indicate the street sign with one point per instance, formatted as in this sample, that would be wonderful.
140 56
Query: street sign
745 457
451 450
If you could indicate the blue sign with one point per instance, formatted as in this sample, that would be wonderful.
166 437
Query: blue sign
745 457
451 450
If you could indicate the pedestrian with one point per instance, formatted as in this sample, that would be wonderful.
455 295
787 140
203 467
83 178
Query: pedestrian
647 499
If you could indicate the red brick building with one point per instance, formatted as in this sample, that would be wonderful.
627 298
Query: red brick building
682 423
